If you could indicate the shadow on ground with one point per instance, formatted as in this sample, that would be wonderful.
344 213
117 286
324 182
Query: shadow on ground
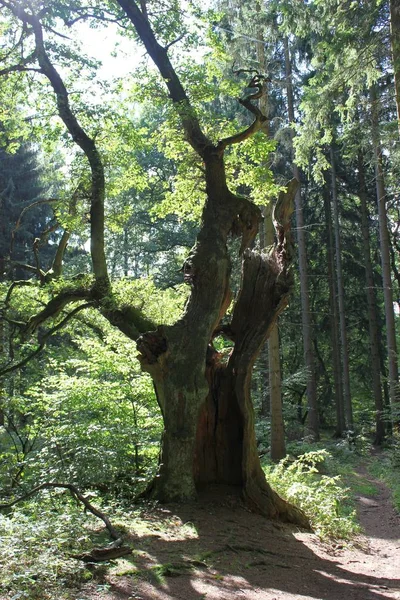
218 550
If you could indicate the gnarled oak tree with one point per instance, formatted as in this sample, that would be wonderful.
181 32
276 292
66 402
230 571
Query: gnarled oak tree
203 395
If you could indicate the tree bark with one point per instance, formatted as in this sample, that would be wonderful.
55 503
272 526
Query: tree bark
372 307
348 408
277 438
313 418
385 255
205 402
334 318
394 6
226 450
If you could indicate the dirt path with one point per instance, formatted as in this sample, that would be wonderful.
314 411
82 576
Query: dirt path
220 552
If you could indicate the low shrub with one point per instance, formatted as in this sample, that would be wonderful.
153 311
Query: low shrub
324 499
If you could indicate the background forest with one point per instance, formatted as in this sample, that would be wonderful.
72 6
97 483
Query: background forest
75 404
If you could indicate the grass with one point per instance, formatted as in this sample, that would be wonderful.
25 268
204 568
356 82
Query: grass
37 537
387 468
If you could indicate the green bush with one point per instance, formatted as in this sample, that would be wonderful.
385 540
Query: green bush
35 540
323 498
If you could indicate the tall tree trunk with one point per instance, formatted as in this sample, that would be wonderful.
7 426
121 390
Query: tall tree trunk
126 252
395 46
334 317
348 408
313 418
277 441
385 254
372 307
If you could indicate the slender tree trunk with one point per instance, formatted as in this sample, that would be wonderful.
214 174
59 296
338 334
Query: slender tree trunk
313 418
385 255
348 409
395 46
277 441
334 317
126 252
372 307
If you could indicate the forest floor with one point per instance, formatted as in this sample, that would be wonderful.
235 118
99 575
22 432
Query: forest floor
216 550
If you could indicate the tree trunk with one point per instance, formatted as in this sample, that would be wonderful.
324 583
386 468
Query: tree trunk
277 438
209 435
342 314
313 418
385 255
395 46
226 450
334 318
372 307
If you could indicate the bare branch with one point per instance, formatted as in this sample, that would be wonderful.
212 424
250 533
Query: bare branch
25 267
178 39
257 82
20 282
75 494
45 337
23 212
39 271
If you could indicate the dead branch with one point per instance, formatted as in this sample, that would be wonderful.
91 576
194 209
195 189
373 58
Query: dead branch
256 82
43 342
19 282
25 210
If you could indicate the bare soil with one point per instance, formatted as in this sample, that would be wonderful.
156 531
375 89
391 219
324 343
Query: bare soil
217 550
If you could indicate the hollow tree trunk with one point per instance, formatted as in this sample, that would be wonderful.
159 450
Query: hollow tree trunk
209 435
176 355
226 450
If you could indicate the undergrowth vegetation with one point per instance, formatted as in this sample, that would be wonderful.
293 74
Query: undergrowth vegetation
36 540
388 469
312 481
38 536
